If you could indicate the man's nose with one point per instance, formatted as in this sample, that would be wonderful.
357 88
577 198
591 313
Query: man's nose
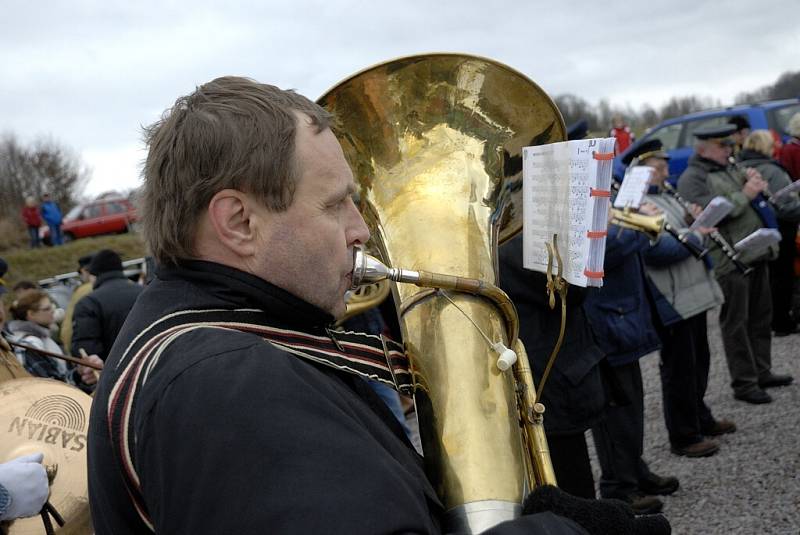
359 232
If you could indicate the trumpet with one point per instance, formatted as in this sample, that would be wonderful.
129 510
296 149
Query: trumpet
652 226
649 225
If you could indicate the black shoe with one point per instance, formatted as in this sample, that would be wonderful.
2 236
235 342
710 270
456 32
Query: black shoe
756 397
775 380
704 448
720 427
644 505
786 332
655 484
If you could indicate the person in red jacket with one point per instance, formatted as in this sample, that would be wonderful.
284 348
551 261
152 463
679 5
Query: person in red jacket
622 132
790 154
30 214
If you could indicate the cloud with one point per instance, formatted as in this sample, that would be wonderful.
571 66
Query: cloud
91 73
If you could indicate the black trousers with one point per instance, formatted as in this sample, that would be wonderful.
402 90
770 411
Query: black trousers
570 458
745 320
619 438
781 278
685 360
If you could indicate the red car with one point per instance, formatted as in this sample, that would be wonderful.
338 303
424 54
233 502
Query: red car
94 218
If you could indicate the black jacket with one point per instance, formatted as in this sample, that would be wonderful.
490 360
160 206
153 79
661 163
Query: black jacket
99 316
573 395
233 435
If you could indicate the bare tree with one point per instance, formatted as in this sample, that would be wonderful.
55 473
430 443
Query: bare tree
45 166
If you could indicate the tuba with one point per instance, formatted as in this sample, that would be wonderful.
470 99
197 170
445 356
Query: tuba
435 143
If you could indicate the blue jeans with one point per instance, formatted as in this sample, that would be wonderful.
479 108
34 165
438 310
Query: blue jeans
33 234
56 238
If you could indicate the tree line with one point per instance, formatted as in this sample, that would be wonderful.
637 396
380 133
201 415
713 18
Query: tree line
575 108
48 166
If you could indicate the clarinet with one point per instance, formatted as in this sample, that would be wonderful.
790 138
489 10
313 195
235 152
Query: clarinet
717 238
698 251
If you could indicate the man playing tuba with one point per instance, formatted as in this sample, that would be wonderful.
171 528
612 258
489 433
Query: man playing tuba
228 405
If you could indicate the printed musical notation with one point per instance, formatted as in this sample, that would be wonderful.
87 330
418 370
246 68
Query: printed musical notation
558 180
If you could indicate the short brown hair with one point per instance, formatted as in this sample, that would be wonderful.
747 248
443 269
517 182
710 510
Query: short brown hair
760 141
27 301
229 133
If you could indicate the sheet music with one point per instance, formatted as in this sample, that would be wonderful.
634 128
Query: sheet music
783 192
556 200
760 239
634 187
713 213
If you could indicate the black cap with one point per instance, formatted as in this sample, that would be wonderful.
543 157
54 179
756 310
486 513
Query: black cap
3 269
104 261
84 261
652 148
578 130
718 132
739 121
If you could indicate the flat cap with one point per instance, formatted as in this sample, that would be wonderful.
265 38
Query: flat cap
652 148
718 132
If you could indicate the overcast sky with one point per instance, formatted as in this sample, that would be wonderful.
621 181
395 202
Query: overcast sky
91 73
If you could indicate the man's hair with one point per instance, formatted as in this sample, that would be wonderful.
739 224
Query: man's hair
759 141
229 133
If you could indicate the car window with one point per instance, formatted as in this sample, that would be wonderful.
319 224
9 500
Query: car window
91 211
779 117
668 135
115 208
74 213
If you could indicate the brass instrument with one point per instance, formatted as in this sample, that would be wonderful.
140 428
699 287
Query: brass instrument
44 415
365 297
652 226
649 225
435 143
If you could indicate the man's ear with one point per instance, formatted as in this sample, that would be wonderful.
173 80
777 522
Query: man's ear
230 213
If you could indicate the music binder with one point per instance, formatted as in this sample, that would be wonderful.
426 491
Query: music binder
566 192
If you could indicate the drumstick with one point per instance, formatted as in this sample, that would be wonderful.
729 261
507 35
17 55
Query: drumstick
68 358
85 356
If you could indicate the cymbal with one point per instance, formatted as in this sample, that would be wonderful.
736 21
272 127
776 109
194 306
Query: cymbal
48 416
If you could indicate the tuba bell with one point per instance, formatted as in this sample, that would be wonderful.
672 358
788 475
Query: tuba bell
435 143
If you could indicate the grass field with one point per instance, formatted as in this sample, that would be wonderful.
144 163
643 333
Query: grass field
37 264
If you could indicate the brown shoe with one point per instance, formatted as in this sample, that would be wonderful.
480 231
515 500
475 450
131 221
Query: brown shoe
644 505
720 427
655 484
704 448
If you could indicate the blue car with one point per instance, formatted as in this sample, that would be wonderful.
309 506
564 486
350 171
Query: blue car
676 134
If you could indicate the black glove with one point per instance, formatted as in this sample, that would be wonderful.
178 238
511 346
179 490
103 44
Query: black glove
598 517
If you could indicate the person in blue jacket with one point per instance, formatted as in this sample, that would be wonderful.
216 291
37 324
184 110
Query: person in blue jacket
684 289
621 319
51 213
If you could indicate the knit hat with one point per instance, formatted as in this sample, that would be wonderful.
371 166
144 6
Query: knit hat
84 261
104 261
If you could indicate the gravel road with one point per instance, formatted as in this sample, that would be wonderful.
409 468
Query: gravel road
752 486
